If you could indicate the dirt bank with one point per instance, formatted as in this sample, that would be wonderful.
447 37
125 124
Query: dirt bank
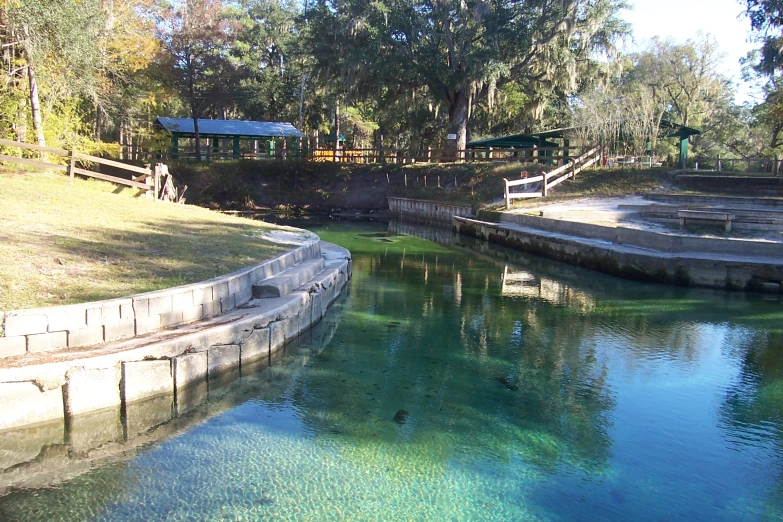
310 186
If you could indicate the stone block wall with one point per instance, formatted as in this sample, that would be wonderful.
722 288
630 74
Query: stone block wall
430 211
167 366
86 324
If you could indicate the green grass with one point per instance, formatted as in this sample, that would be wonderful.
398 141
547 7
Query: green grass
62 244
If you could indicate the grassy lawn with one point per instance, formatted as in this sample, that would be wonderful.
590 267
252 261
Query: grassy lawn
62 244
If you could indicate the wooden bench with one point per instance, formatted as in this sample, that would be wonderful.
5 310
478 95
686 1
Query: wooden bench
701 215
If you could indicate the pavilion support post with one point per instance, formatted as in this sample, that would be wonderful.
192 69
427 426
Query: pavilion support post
566 145
683 152
236 147
174 145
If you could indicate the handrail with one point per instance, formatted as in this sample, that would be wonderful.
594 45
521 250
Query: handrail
575 165
146 180
30 146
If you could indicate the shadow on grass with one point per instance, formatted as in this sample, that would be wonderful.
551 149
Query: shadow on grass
101 263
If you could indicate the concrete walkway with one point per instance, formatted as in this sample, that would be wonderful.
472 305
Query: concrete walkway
602 234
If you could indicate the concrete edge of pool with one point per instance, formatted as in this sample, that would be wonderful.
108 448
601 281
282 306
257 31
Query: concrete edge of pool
280 299
724 271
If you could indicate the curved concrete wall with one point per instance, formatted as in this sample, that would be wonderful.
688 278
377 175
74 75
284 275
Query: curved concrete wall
424 210
73 326
68 383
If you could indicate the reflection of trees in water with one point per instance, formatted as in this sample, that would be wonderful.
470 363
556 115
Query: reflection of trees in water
475 361
531 365
752 409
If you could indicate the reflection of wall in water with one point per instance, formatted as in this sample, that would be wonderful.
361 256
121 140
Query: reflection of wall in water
439 235
48 454
521 283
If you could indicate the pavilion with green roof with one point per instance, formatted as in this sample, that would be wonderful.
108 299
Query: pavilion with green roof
543 140
235 130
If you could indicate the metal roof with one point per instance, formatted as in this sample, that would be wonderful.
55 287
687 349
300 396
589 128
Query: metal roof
224 128
669 129
513 141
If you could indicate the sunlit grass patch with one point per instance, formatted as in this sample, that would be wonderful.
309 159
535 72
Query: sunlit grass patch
62 244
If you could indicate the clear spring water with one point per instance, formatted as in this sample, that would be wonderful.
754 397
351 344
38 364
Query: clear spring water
469 382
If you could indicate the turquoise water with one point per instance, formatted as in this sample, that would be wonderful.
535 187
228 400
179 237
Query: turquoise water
463 381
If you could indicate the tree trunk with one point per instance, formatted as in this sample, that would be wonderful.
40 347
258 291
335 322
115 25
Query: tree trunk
35 105
98 122
458 124
194 114
120 139
337 130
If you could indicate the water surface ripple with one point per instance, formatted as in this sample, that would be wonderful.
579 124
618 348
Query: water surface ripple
462 381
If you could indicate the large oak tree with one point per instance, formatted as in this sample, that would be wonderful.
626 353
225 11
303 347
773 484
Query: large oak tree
461 51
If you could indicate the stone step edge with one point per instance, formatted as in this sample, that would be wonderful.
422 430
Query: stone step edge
172 360
286 281
648 240
630 262
86 324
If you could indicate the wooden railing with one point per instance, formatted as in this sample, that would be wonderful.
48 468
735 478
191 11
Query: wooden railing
143 178
549 179
542 155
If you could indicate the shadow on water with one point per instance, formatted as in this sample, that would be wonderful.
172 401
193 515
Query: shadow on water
465 381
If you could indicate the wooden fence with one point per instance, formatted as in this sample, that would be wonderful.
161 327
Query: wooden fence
143 178
547 179
731 166
543 155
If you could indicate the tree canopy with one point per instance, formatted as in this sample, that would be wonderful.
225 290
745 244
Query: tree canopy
386 73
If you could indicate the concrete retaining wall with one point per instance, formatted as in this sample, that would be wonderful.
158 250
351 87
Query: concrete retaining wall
672 243
633 262
73 326
768 185
430 211
47 454
168 363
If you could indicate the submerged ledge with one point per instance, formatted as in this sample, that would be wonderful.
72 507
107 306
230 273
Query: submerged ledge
233 328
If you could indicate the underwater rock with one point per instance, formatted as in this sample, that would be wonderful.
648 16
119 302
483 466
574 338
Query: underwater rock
400 417
508 383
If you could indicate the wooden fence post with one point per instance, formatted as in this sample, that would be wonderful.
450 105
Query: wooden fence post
72 166
156 181
543 189
573 168
505 193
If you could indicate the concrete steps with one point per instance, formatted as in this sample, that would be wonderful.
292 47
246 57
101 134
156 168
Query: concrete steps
288 280
61 384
